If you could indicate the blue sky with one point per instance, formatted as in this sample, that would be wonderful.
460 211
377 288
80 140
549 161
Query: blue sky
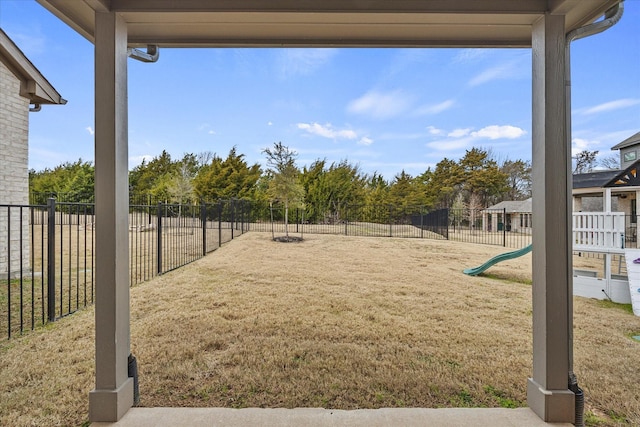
383 109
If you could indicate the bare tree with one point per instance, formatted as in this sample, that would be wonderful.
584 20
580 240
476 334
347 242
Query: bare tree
611 161
203 158
180 187
285 185
585 161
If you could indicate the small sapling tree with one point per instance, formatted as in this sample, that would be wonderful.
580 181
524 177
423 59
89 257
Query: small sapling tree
284 185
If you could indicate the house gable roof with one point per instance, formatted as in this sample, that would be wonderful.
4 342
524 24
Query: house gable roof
626 178
594 179
513 206
33 84
632 140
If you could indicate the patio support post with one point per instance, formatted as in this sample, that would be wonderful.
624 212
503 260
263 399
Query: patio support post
548 394
113 393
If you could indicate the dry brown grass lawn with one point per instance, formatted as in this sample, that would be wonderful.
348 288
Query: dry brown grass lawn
336 322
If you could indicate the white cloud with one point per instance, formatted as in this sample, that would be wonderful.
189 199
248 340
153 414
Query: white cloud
450 144
365 140
494 73
435 108
458 133
406 59
499 132
581 144
462 138
327 131
612 105
434 130
212 132
270 124
380 105
90 130
303 61
517 68
471 55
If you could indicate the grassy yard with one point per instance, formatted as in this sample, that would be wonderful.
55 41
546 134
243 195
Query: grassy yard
335 322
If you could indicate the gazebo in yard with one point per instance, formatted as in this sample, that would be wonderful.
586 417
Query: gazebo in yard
545 26
509 216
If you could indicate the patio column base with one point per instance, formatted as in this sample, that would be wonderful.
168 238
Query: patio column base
111 405
552 406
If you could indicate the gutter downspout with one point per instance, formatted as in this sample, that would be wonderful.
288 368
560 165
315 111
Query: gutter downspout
151 55
611 17
36 107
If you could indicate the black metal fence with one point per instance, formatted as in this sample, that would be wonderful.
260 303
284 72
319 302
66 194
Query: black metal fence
47 252
480 226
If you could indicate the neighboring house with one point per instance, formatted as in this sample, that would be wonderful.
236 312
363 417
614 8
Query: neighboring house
21 86
613 190
508 216
596 191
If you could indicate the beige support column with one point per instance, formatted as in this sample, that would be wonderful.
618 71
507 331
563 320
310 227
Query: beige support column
607 200
547 392
113 393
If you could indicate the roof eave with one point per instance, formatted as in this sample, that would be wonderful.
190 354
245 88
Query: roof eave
80 15
33 85
632 140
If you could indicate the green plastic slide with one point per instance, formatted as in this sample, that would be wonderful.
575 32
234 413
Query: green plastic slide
496 259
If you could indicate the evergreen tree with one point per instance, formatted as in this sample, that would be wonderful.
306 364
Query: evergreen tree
228 178
73 182
483 180
444 183
153 178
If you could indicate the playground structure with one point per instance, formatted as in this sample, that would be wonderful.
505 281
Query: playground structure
496 259
602 233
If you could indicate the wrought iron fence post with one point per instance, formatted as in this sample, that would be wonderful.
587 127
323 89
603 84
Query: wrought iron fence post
51 259
242 216
203 218
504 227
219 223
297 220
346 220
159 241
248 214
9 272
149 207
232 216
421 222
390 221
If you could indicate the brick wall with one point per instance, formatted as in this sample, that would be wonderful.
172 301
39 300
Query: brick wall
14 172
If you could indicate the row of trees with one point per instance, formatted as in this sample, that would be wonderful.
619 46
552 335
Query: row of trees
477 180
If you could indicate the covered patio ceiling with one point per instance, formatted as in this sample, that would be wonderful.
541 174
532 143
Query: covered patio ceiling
115 25
271 23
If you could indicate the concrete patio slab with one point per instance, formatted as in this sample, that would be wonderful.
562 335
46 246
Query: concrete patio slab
318 417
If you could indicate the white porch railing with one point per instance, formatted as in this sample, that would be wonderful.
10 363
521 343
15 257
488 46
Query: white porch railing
598 231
